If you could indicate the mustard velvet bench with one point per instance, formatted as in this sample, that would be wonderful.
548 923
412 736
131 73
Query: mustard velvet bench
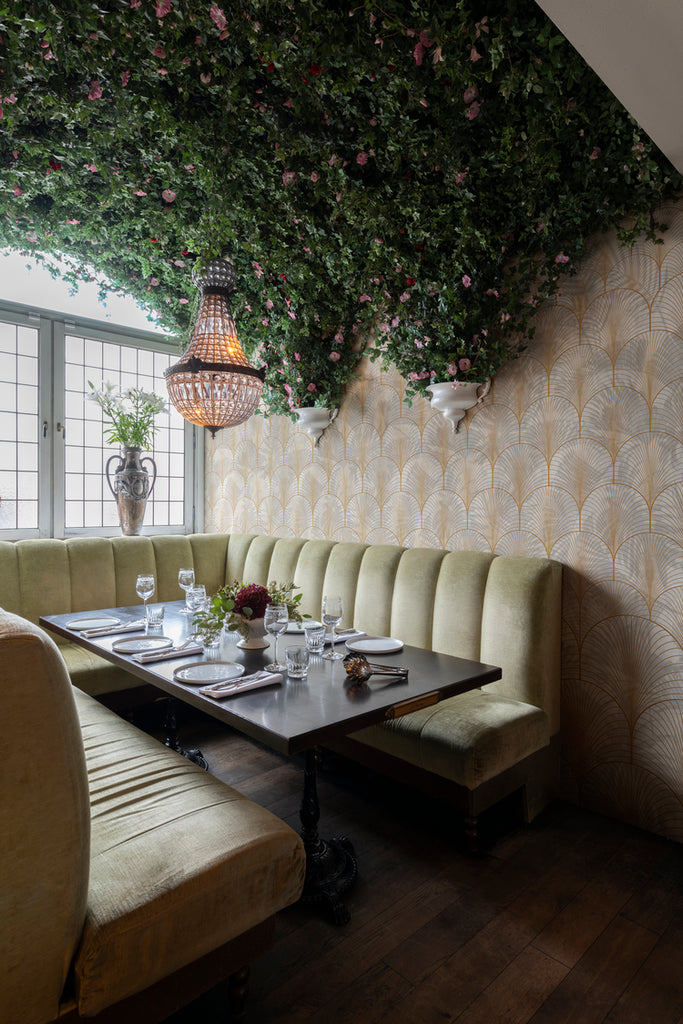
474 749
132 880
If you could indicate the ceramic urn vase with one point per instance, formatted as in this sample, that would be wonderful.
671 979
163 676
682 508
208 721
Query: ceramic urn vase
131 487
256 640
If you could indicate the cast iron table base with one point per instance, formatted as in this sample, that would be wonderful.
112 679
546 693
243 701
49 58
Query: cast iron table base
330 863
171 739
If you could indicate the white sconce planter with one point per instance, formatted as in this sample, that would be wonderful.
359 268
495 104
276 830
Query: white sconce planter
453 402
314 421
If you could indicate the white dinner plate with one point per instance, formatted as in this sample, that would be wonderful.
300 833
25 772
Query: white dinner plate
202 673
138 644
293 627
375 645
94 622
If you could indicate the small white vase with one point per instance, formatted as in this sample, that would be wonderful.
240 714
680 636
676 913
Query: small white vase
256 640
453 402
314 420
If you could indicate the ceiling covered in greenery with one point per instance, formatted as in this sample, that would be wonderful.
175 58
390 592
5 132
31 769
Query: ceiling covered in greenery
427 170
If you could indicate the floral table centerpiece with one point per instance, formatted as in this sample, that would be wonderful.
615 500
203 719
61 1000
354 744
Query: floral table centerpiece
131 415
241 606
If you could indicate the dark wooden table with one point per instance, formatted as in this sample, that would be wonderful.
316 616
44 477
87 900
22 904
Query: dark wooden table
298 715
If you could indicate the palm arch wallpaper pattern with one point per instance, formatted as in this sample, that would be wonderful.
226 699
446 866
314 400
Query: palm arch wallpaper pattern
576 454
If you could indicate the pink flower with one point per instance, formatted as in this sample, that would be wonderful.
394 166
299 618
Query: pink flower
474 56
466 280
311 388
464 364
135 3
258 269
95 91
473 110
452 369
291 315
73 221
365 298
595 154
561 258
339 338
470 94
168 195
288 178
163 8
159 51
334 357
315 176
90 167
218 17
297 357
205 78
16 190
404 297
362 158
504 317
139 192
269 303
154 282
492 291
183 302
125 77
459 178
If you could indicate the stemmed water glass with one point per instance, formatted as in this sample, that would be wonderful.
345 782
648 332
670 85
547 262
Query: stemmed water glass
275 622
145 587
185 581
333 609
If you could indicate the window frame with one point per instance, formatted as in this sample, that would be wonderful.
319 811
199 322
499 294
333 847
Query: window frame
53 328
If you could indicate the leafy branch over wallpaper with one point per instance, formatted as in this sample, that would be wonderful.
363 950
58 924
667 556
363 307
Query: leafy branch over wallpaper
420 173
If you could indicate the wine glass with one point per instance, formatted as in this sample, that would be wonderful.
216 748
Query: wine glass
275 622
145 587
333 609
185 581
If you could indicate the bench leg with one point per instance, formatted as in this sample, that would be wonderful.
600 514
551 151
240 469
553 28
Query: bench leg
238 989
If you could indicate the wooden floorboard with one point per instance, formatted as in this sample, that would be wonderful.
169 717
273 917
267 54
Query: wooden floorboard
575 919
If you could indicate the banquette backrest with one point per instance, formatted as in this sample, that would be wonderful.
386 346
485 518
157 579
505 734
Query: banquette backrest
503 610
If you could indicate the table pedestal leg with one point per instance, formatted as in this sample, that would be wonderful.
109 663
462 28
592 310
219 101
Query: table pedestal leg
330 863
171 740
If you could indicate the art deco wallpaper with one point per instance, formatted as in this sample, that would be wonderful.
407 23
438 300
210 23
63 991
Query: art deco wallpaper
575 454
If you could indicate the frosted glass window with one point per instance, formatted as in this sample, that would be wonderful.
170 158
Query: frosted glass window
19 427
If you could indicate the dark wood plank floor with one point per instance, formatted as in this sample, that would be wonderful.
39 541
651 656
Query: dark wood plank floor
576 919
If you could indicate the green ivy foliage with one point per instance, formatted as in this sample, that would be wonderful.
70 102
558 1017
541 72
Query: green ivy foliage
418 173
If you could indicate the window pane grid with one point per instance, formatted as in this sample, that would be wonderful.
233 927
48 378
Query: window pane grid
19 427
86 360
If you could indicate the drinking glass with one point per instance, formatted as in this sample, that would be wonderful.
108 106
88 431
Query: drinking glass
275 622
333 609
195 598
145 587
297 659
185 581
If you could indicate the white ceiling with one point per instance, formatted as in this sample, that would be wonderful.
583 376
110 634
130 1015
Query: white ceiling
636 47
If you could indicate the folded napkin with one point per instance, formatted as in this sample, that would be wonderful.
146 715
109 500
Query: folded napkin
230 687
342 635
128 627
167 652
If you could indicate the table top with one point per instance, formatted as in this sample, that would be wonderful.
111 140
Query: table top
296 714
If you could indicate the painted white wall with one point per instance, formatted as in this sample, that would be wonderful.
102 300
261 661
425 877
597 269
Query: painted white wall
636 47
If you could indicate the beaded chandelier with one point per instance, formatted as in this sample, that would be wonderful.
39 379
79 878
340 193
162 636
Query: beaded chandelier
213 384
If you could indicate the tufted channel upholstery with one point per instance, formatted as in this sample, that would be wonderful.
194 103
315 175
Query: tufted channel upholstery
501 610
121 862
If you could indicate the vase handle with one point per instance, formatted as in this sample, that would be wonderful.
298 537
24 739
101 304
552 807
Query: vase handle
148 458
106 470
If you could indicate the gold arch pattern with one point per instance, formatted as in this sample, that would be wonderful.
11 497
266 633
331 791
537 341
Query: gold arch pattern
576 454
